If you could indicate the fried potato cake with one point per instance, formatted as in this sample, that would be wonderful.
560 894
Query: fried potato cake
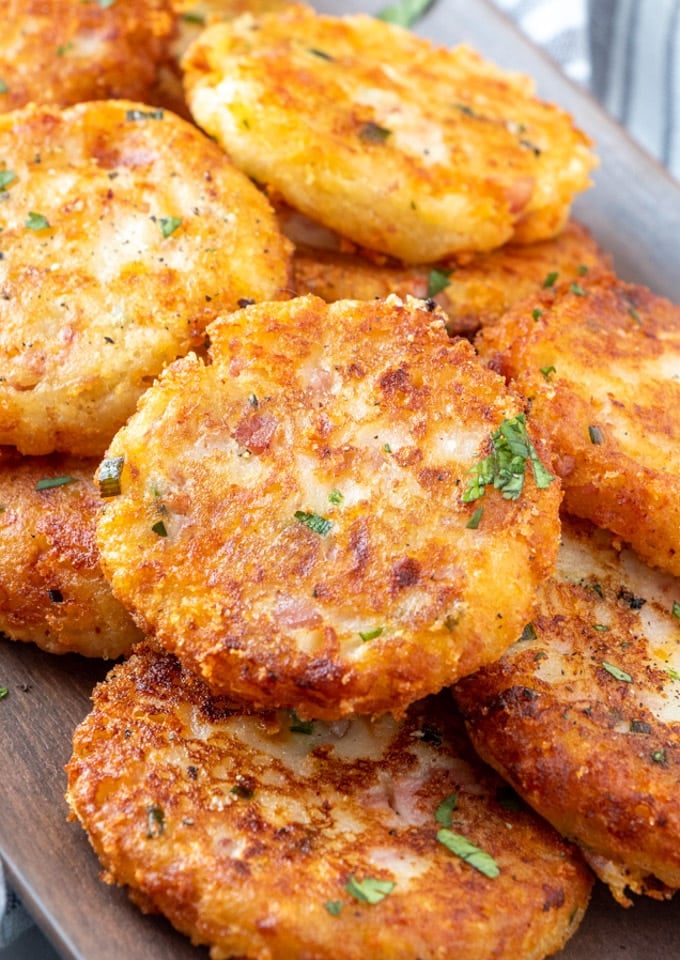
52 590
582 715
472 294
601 364
67 51
292 521
412 150
124 231
272 839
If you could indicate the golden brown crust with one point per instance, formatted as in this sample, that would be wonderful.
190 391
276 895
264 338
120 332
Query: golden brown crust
67 51
245 833
368 418
124 231
583 716
52 590
610 407
416 151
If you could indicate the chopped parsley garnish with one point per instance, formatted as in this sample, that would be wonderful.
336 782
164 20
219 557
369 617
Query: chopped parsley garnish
505 466
109 476
168 225
335 497
537 313
675 610
437 281
529 632
601 627
472 855
550 280
596 435
36 221
320 53
314 521
135 115
405 12
6 177
617 673
444 812
577 289
48 482
369 890
582 270
371 634
334 907
155 821
371 132
673 674
659 756
474 520
546 371
159 529
64 48
193 17
3 87
634 314
4 692
387 448
300 726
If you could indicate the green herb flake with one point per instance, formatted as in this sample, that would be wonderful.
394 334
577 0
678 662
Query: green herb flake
64 48
371 634
437 281
546 371
529 632
192 17
159 529
335 497
577 290
321 54
3 87
168 225
504 468
617 673
472 855
675 609
6 177
596 435
314 521
444 812
300 726
405 12
475 519
36 221
4 692
135 115
369 890
550 280
632 312
109 476
387 448
48 482
601 627
371 132
660 757
155 822
334 907
537 313
582 270
673 674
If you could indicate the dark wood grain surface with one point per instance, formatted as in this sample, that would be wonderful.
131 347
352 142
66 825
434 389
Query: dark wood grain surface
634 211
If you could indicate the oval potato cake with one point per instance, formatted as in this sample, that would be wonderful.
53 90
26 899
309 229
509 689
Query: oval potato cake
67 51
405 148
600 361
292 522
271 839
582 715
52 590
124 232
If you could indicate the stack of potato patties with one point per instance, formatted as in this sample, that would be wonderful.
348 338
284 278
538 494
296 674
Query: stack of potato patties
322 507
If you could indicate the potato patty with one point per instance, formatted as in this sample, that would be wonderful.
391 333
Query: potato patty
601 362
473 294
52 590
273 839
67 51
405 148
583 714
124 231
292 524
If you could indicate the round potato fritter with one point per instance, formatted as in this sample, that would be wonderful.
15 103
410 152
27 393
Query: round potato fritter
67 51
273 839
582 715
124 231
52 590
601 362
473 294
292 524
412 150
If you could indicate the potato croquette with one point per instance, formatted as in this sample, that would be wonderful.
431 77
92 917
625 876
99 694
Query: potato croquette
273 839
52 590
67 51
601 363
293 521
582 715
405 148
124 231
473 294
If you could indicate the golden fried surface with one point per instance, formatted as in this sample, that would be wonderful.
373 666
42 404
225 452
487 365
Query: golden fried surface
247 829
583 714
124 231
67 51
474 293
601 362
52 591
313 549
411 150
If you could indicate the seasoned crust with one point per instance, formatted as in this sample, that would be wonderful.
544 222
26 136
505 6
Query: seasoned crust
245 828
52 590
67 51
610 408
409 149
124 231
582 716
309 482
